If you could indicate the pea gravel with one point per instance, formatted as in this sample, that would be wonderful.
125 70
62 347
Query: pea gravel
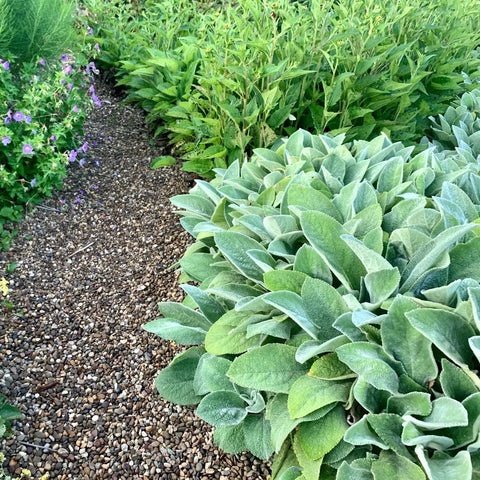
93 262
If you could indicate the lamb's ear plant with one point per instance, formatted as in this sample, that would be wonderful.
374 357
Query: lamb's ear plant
333 309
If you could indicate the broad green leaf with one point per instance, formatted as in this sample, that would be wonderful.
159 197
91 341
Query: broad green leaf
230 439
361 433
234 247
195 204
350 472
446 330
175 383
412 436
308 261
391 175
271 327
323 233
222 408
319 437
311 199
229 334
211 374
284 280
339 452
444 467
200 266
390 466
311 348
323 305
257 433
271 367
474 343
461 265
474 297
293 305
446 413
371 399
163 161
173 329
406 344
329 367
206 303
284 461
365 221
372 261
412 403
310 468
455 382
426 256
308 394
382 284
371 363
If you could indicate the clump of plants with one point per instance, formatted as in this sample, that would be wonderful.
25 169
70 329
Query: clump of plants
333 305
222 79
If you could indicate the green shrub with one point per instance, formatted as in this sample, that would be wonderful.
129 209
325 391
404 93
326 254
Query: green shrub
334 309
222 79
30 29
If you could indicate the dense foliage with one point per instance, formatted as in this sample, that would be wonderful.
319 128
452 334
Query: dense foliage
335 307
223 78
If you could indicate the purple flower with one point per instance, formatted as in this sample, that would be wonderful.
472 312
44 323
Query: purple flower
28 119
96 100
27 149
62 81
33 182
18 116
72 156
97 47
68 69
6 65
53 138
34 132
6 140
90 31
84 147
42 61
62 201
70 86
87 68
64 57
77 200
75 109
81 162
97 163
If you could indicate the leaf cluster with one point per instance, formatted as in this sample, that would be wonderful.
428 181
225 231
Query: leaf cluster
334 307
223 79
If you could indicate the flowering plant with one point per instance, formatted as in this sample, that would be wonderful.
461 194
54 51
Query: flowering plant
43 106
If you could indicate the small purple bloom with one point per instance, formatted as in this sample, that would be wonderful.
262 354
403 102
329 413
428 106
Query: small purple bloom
72 156
90 31
33 182
77 200
96 100
64 57
95 187
28 119
62 201
70 86
84 147
68 69
34 132
92 89
81 162
27 149
97 47
42 62
87 68
18 116
6 140
97 163
53 138
75 109
6 65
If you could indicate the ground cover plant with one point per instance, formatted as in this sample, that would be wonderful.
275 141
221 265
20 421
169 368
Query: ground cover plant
332 306
221 79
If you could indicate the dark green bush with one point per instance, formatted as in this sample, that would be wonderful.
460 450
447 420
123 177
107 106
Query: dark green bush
334 306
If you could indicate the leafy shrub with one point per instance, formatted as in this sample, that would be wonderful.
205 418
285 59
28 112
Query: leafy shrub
42 110
222 79
334 310
35 28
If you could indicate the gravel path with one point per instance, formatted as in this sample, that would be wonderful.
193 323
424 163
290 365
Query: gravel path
93 262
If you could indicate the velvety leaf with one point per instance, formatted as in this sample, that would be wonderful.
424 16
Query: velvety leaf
455 382
308 394
371 363
311 199
172 329
257 433
194 203
308 261
412 436
270 327
311 348
413 403
234 247
446 413
474 343
200 266
175 383
349 472
443 467
319 437
372 261
406 344
222 408
461 265
285 461
323 233
382 284
371 399
391 466
206 303
447 331
329 367
211 374
230 439
271 367
284 280
227 336
310 468
361 433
